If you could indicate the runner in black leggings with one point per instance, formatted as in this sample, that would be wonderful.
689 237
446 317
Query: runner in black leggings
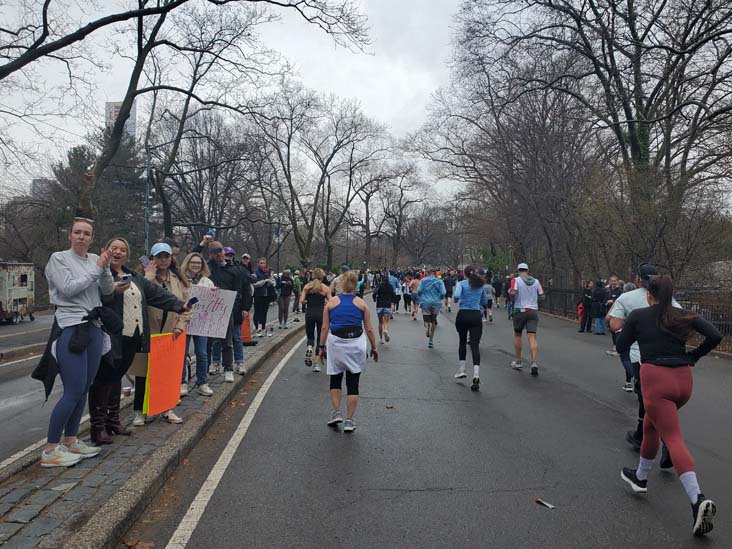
315 295
471 297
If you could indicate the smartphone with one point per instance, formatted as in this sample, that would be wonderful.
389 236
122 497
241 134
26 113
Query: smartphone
125 277
191 302
144 260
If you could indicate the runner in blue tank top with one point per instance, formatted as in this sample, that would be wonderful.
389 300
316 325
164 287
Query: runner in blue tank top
343 344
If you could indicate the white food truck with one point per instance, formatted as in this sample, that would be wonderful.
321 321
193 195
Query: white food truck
17 286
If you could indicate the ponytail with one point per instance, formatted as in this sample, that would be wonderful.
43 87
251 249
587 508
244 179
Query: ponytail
475 280
671 320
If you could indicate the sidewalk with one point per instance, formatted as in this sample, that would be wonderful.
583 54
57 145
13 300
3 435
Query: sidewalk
93 503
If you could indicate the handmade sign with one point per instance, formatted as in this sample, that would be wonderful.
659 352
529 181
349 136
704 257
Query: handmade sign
164 372
212 312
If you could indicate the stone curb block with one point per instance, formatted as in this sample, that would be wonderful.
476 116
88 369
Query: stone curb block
32 349
110 522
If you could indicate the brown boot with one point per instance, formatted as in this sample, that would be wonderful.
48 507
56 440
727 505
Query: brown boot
113 424
97 412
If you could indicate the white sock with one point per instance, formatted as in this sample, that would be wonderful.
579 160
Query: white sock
691 485
476 371
644 467
462 365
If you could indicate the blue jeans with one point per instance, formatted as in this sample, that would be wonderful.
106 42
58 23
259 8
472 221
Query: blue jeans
600 325
77 373
627 365
199 344
238 346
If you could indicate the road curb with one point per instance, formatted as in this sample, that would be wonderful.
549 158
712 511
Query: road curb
110 522
32 349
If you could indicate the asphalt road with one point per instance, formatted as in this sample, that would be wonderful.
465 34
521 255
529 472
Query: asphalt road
433 464
25 333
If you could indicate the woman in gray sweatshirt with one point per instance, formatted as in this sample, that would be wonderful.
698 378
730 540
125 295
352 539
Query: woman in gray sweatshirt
76 279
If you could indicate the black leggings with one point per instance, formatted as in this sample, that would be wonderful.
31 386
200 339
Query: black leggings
313 325
407 301
469 322
351 382
261 306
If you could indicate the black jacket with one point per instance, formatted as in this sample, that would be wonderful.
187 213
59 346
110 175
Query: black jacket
152 296
599 297
383 295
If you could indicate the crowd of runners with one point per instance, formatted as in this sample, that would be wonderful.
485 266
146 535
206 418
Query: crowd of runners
106 312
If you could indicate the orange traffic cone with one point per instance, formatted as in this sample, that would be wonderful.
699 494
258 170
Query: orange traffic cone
246 332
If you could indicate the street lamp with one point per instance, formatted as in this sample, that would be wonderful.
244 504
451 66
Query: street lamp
278 239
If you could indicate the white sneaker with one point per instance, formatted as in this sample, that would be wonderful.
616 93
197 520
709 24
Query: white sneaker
171 417
316 368
205 390
461 374
259 333
240 369
229 377
270 333
82 449
516 364
183 389
139 420
214 368
59 457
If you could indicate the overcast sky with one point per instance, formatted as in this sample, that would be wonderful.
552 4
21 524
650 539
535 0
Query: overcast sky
393 79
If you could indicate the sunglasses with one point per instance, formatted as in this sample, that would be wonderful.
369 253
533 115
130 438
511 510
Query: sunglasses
216 250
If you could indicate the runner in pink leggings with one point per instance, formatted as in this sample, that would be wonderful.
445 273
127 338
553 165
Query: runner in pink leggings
662 331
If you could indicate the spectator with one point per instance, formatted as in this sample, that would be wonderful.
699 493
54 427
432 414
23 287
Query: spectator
263 293
599 297
614 291
586 323
286 287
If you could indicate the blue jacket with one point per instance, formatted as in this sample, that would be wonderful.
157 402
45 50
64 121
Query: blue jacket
431 291
470 299
395 284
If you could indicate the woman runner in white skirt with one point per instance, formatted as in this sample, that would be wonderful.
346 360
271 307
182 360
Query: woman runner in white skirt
343 343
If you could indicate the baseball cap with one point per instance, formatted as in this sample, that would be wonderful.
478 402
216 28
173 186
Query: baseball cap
246 255
345 268
522 267
646 271
297 272
159 248
229 250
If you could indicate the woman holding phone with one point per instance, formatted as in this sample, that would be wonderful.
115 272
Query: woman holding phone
76 278
163 272
132 296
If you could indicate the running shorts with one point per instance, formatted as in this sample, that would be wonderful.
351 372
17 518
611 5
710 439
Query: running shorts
525 320
448 293
429 309
380 311
490 304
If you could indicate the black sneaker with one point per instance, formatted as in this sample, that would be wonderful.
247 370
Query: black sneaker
633 440
476 384
665 462
638 486
702 513
534 369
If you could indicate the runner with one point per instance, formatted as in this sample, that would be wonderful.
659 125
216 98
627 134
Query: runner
314 296
406 294
413 286
430 293
491 294
383 296
662 332
623 306
450 280
471 297
397 292
343 344
525 293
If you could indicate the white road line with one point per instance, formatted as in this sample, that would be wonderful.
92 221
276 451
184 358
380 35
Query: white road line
47 329
188 524
32 448
3 364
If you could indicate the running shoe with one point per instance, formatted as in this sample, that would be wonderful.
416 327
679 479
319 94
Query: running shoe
183 389
240 369
461 374
59 457
214 368
449 309
632 438
139 420
205 390
229 377
82 449
534 369
335 418
349 426
665 462
702 513
317 368
516 364
172 417
430 344
628 387
490 318
386 337
309 357
476 384
638 486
